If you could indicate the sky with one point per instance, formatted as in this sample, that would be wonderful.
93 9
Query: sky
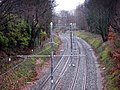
67 4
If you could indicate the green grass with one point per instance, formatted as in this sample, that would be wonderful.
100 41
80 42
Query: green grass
91 39
104 54
103 50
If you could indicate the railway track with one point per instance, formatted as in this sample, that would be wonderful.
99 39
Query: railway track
85 70
57 84
65 68
62 73
80 75
79 78
76 72
64 60
41 86
80 69
90 79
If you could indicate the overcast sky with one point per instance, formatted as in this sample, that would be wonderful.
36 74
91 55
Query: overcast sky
67 4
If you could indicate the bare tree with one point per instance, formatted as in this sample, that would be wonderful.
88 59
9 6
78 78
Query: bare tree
81 21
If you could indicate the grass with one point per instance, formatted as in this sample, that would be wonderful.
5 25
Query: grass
93 40
19 76
103 50
26 71
47 49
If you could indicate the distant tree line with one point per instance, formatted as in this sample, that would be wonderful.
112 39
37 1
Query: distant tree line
23 22
64 18
99 14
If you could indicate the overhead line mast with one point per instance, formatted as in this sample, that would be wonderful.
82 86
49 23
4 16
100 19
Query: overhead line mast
52 56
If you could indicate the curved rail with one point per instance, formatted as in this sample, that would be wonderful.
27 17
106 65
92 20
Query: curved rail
57 66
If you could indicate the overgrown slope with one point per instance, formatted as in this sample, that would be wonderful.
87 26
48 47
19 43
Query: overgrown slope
26 71
108 63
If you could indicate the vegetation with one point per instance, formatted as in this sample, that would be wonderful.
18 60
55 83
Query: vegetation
108 62
22 74
15 34
26 71
24 24
46 49
102 17
97 16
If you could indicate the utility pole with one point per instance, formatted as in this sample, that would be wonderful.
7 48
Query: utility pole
71 38
52 58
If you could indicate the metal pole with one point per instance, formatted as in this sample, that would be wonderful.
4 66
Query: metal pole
52 58
71 40
71 36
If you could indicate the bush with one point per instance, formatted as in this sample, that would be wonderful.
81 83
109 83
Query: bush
43 35
15 33
3 40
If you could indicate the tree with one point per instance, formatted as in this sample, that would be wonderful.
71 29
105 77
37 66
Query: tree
66 17
80 17
100 14
35 13
22 22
